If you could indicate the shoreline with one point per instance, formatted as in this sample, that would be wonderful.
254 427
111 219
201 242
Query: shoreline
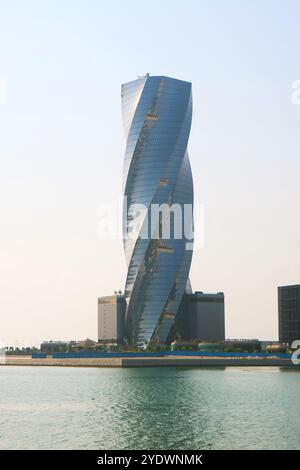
168 361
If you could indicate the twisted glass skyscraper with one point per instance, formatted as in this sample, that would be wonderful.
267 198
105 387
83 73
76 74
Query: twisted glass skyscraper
157 113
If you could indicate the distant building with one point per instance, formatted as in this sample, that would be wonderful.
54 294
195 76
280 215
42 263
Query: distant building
86 343
273 347
50 347
289 313
243 344
201 317
111 316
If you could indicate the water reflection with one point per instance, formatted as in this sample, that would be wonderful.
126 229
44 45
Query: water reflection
150 408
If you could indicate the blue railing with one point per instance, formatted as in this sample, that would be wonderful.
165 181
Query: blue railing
94 355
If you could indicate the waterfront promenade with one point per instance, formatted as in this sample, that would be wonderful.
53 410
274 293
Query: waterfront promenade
165 361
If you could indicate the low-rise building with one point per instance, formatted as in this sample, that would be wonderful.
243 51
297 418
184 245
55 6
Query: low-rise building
50 347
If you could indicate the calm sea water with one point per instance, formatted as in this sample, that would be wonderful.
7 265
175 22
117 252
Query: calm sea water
159 408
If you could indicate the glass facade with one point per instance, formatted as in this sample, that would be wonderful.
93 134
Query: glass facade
157 113
289 313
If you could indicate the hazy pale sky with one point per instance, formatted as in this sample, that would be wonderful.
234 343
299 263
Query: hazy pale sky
62 146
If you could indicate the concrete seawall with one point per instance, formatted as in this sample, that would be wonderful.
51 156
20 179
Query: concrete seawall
168 361
203 362
49 361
